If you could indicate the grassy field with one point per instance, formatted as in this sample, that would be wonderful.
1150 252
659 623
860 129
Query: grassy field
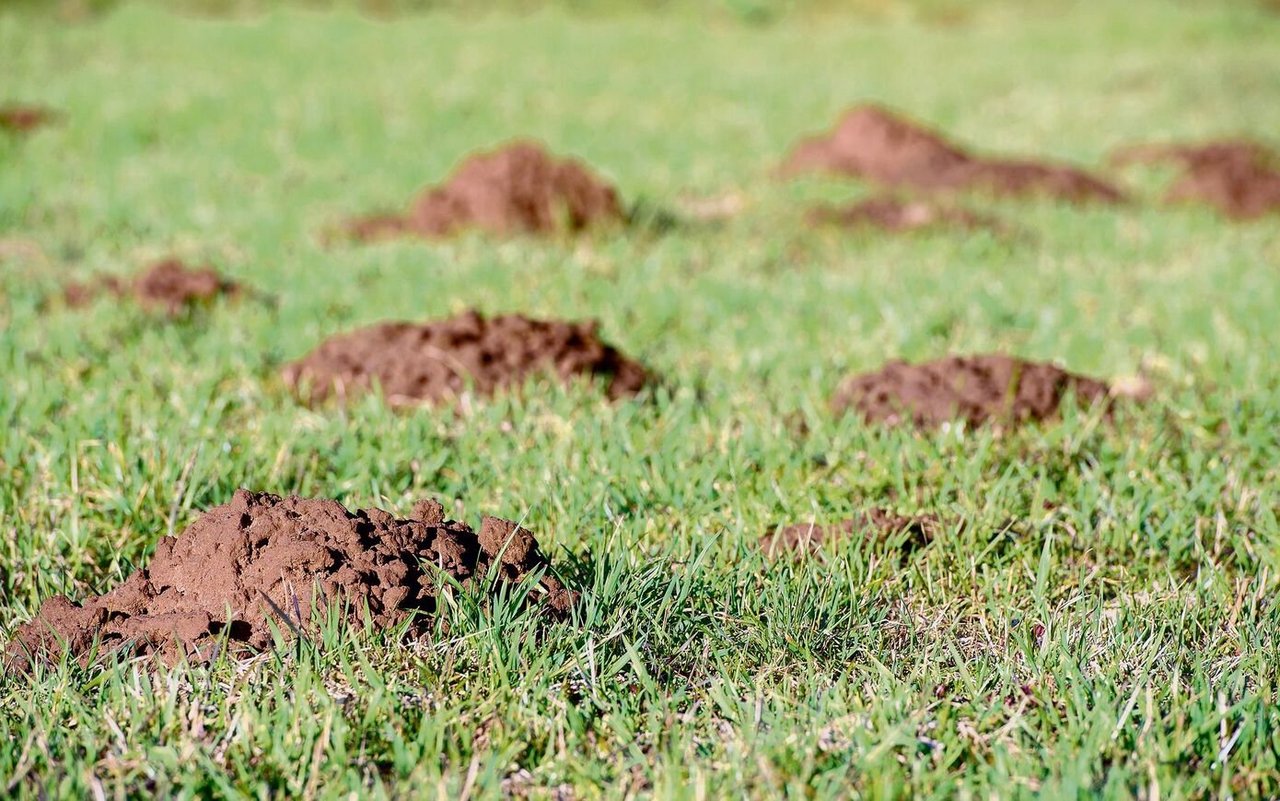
1098 616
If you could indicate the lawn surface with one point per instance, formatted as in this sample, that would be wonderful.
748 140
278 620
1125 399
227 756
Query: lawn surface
1097 617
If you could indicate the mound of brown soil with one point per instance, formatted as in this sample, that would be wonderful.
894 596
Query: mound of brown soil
877 524
439 361
1240 178
169 286
876 144
976 389
261 560
900 216
24 119
518 188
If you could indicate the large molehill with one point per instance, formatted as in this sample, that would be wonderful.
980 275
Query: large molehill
876 144
991 388
415 363
262 562
518 188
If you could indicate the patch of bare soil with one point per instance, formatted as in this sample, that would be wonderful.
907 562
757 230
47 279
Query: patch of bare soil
1240 178
262 560
976 389
876 144
876 524
440 361
169 286
896 215
519 188
21 119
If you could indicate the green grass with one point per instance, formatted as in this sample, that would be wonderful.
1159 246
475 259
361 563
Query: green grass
1147 548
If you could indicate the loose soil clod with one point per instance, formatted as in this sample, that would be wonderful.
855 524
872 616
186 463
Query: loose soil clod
439 361
900 216
21 119
876 144
877 524
977 389
262 560
169 286
1240 178
518 188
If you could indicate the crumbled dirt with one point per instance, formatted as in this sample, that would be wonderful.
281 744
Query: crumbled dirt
977 389
518 188
876 524
21 119
440 361
896 215
169 286
262 560
876 144
1238 177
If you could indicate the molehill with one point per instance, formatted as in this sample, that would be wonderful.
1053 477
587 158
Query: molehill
439 361
518 188
262 561
990 388
876 144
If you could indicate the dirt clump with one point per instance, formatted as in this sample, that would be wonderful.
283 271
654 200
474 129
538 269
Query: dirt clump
896 215
1238 177
879 145
440 361
21 119
169 286
262 561
982 389
518 188
877 524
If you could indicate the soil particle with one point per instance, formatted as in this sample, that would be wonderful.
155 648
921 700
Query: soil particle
262 560
518 188
977 389
16 118
1238 177
876 144
896 215
876 524
440 361
169 286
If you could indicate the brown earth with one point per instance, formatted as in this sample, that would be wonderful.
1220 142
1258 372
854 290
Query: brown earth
169 286
876 524
518 188
16 118
441 360
879 145
1238 177
977 389
262 560
896 215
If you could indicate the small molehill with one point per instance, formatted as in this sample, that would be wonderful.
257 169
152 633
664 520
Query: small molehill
876 144
879 525
169 286
896 215
976 389
20 119
1238 177
440 361
262 561
519 188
